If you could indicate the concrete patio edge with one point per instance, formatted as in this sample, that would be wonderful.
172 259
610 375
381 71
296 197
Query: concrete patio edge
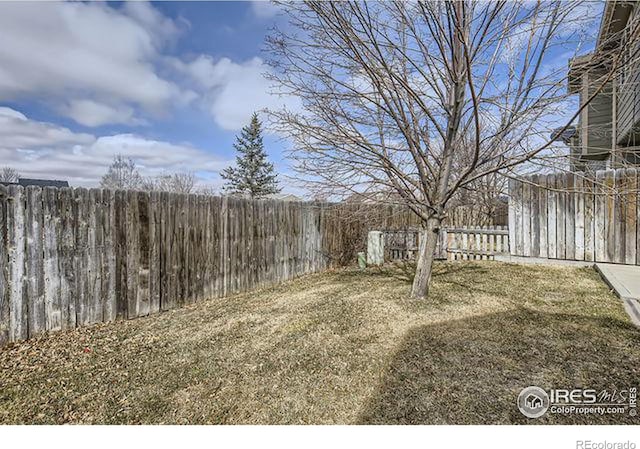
541 261
626 284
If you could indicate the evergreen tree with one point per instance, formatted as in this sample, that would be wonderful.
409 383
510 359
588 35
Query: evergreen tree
253 175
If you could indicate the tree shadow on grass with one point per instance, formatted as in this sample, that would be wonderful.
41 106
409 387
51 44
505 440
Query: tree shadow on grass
470 371
405 270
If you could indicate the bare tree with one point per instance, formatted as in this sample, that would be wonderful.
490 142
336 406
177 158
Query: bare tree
182 182
149 184
122 175
177 182
425 98
8 174
208 190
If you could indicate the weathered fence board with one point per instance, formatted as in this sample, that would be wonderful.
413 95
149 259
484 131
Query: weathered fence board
610 216
552 214
561 212
599 218
620 212
579 220
630 198
466 243
108 261
4 292
519 219
68 288
34 276
512 212
52 277
570 221
477 243
73 257
18 312
535 213
587 218
526 219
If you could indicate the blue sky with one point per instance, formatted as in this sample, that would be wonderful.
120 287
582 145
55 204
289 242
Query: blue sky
168 84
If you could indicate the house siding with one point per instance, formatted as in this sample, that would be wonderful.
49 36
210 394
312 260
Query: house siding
628 101
599 112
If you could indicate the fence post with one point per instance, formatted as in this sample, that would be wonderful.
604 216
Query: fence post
375 248
443 241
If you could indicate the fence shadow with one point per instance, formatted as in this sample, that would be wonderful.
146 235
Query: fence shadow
470 371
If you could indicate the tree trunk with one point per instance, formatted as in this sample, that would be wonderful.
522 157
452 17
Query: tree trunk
420 288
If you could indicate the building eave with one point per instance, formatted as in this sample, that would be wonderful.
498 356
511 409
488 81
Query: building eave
614 19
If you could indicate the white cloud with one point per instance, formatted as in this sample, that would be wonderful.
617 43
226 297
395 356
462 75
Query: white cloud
19 133
86 51
100 65
154 156
582 18
91 113
44 150
233 91
264 9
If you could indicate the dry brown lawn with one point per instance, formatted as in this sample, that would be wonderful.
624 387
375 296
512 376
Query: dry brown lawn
338 347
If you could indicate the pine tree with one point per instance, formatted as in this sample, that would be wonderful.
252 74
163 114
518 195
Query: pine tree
253 175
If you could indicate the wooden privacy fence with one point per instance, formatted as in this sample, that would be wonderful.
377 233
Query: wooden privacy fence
70 258
350 223
570 216
465 243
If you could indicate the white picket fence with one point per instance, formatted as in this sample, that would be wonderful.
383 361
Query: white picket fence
479 243
464 243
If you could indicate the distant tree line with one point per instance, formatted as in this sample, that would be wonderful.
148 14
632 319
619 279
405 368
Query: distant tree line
252 176
123 174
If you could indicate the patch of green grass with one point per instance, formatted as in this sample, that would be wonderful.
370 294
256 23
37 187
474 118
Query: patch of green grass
338 347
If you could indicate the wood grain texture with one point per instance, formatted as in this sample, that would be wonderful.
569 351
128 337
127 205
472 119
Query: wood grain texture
4 269
570 218
68 290
630 203
535 214
527 204
600 241
18 312
620 215
591 217
543 194
519 218
34 289
51 252
73 257
552 214
561 215
579 221
610 216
